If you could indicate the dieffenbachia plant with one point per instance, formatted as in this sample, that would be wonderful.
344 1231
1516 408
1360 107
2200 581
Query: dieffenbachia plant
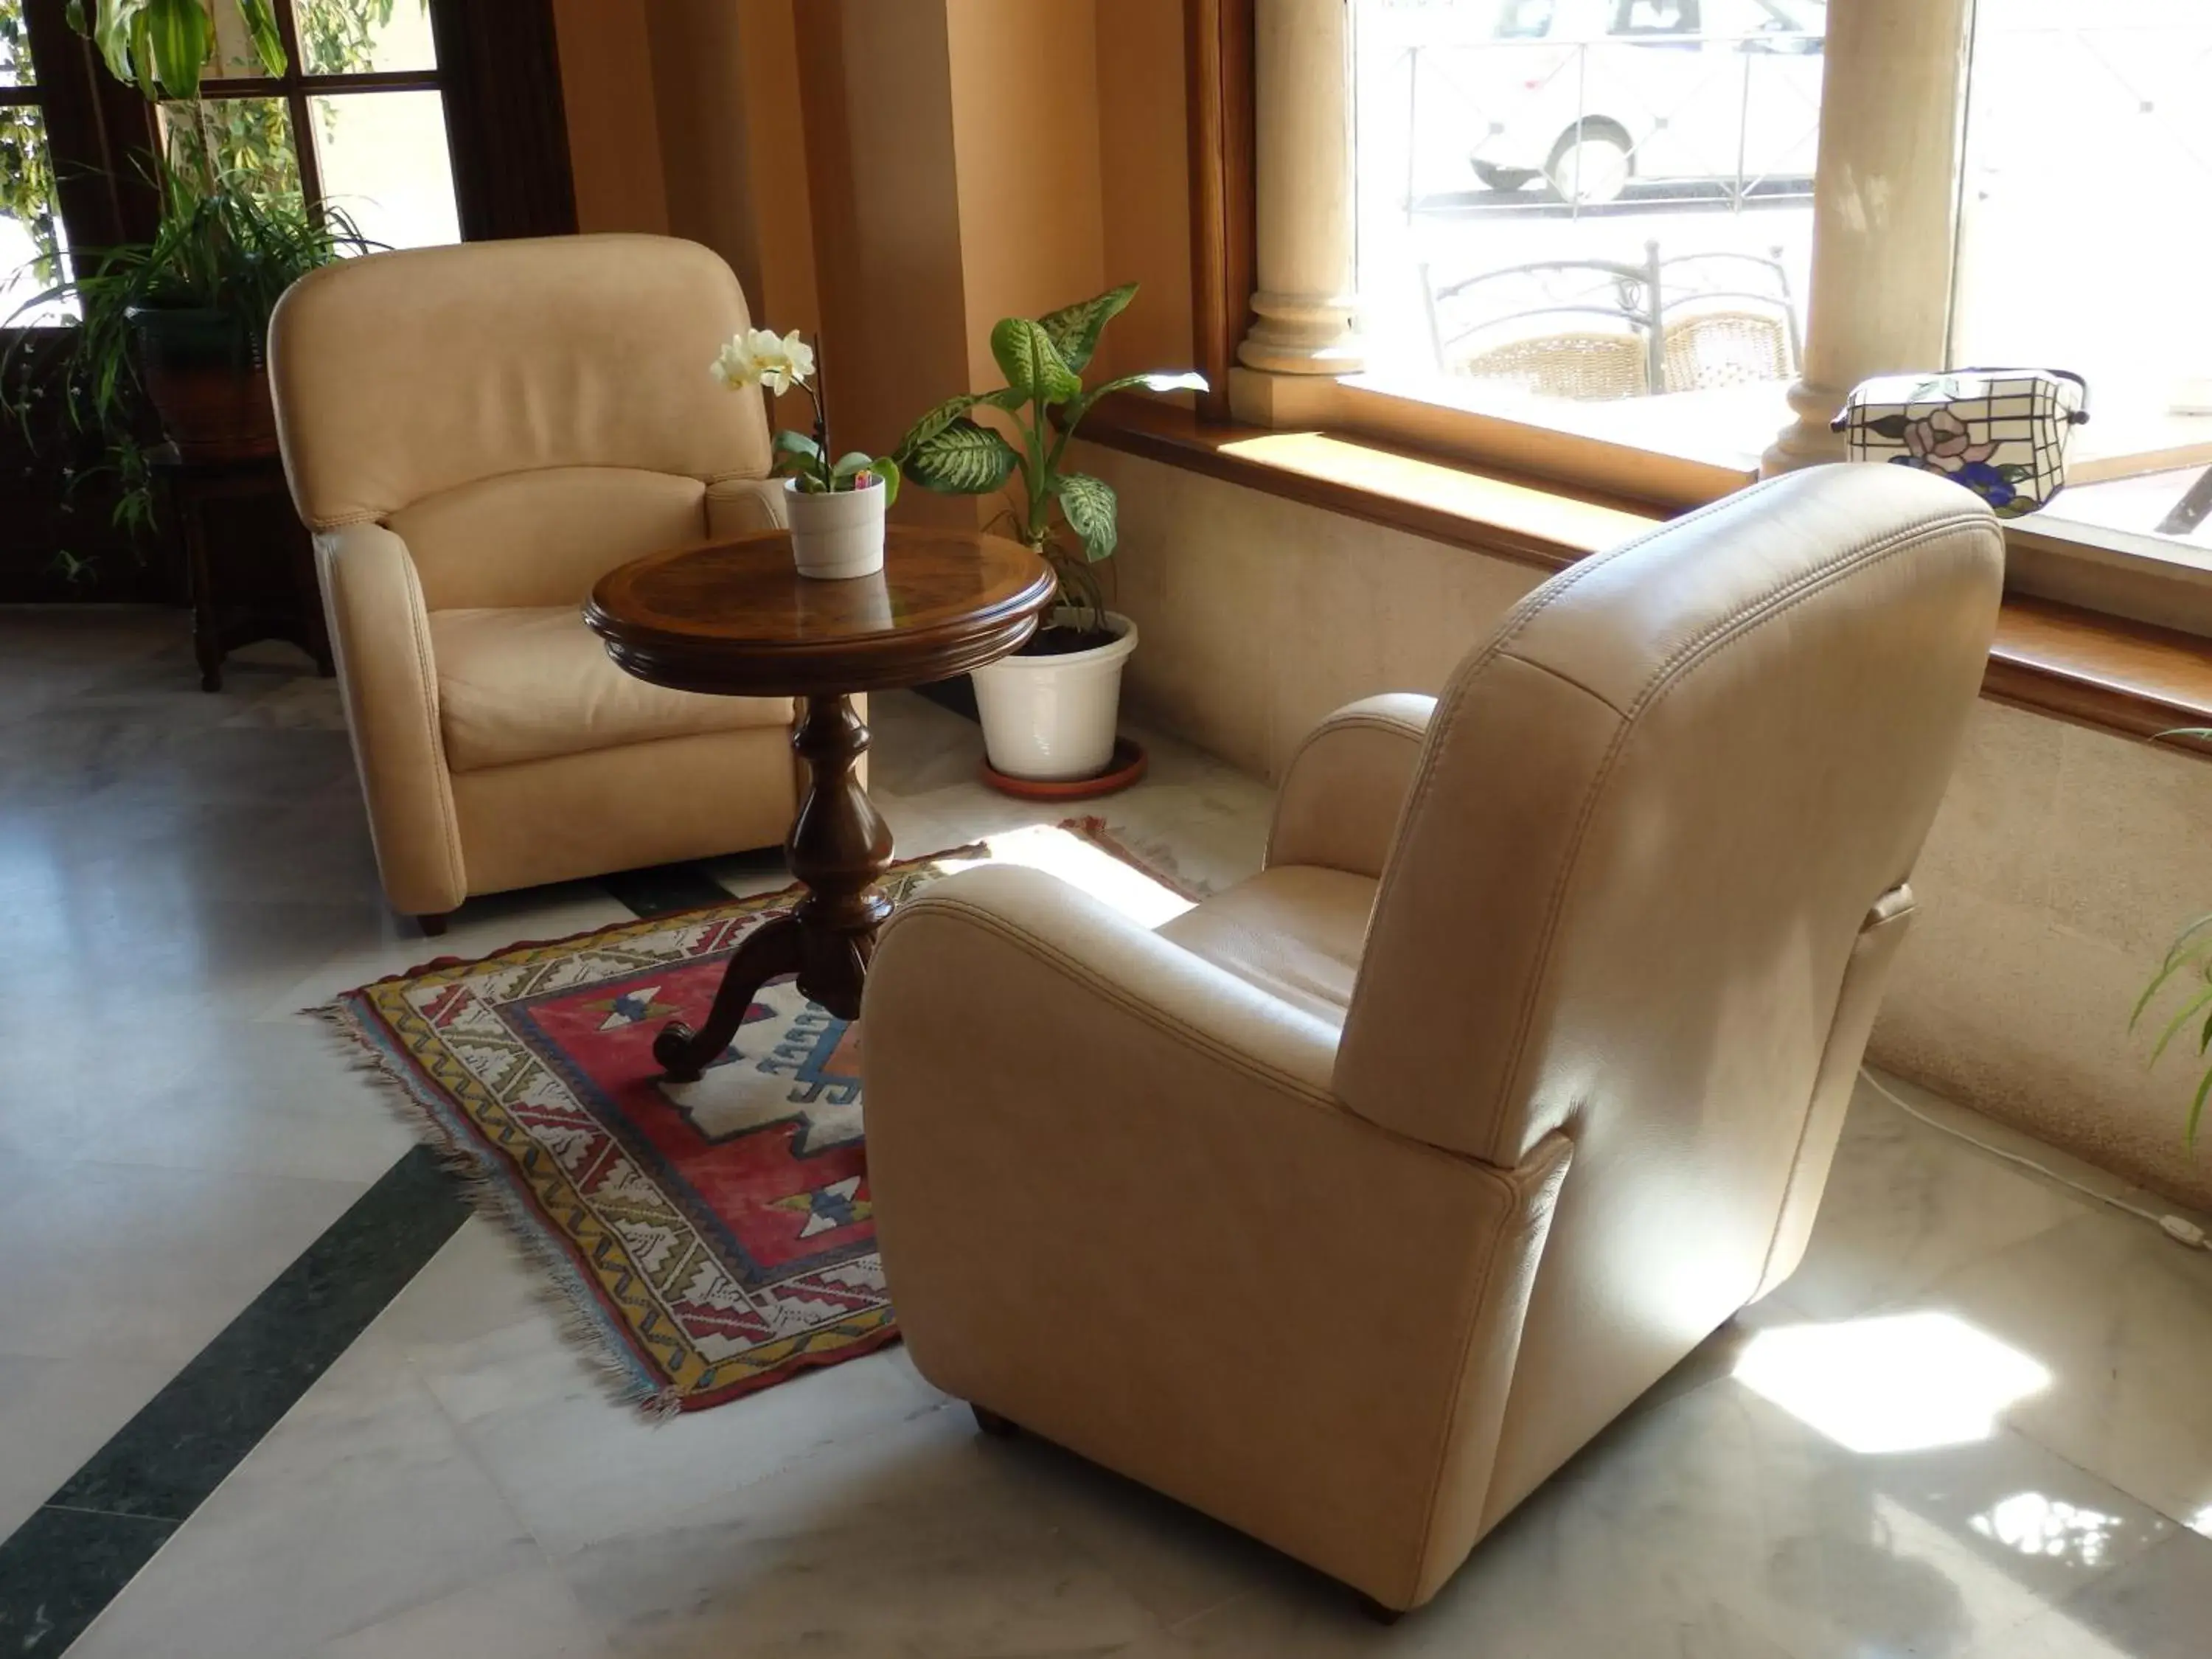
950 452
161 46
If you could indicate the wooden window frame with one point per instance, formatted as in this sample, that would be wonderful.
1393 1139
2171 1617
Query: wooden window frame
506 129
1217 57
297 85
93 124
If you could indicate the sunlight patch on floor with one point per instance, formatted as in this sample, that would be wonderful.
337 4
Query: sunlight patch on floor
2033 1524
1904 1383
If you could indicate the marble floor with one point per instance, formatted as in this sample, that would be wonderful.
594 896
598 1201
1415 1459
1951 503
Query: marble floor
1978 1422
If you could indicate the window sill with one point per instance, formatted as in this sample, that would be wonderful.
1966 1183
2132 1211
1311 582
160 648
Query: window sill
1681 448
2110 673
1526 519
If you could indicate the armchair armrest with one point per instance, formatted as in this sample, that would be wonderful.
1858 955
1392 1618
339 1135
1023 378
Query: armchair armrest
1118 1202
1062 944
737 507
381 640
1340 797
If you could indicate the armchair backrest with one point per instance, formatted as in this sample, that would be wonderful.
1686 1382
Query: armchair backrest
1652 816
554 388
1654 809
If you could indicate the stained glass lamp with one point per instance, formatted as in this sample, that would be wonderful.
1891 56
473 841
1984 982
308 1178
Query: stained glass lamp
2000 433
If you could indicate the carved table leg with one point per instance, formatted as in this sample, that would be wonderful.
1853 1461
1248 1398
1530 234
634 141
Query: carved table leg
771 949
839 845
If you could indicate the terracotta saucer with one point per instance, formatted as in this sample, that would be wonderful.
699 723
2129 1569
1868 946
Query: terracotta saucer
1124 770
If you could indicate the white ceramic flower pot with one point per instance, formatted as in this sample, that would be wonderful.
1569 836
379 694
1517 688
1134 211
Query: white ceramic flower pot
1052 718
836 536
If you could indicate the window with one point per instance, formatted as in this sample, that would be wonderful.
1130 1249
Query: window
2083 242
1656 18
32 239
358 119
1590 215
426 120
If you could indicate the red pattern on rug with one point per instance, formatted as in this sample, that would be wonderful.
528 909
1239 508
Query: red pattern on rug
718 1235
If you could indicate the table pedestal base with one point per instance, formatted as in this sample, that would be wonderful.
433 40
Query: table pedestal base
839 845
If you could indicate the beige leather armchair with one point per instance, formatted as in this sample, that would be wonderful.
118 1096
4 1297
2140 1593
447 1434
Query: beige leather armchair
1347 1205
475 435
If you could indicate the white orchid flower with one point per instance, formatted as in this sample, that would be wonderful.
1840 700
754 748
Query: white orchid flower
761 356
735 366
798 356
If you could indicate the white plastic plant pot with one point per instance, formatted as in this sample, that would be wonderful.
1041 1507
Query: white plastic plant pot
837 536
1051 719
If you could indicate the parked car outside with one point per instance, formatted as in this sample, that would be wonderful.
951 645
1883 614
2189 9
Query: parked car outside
1594 94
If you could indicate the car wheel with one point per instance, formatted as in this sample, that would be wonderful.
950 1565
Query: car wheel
1498 178
1591 167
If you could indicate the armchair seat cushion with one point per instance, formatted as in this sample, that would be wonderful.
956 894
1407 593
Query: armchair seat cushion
529 683
1296 932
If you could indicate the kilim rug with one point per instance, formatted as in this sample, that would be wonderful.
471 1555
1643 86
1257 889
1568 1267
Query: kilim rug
714 1238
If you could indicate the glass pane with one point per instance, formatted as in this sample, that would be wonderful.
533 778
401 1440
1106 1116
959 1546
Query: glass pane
352 37
251 136
31 238
15 46
2173 504
384 162
1591 213
2083 243
233 55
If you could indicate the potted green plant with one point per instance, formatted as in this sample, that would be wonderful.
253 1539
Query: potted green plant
2188 963
184 316
835 507
184 319
1050 710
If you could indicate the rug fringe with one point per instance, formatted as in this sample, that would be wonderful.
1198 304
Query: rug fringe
1147 853
561 1291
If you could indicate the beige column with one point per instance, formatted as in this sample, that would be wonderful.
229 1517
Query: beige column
1885 212
1303 105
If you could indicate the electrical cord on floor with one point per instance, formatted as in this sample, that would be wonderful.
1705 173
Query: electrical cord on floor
2178 1228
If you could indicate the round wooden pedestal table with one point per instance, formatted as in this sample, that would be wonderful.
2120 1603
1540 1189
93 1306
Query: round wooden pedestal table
736 619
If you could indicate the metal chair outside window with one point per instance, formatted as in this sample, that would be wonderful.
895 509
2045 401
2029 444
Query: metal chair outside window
1696 322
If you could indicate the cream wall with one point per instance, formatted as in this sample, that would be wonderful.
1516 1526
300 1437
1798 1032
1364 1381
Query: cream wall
614 139
1032 227
876 80
733 146
1145 182
871 170
2062 864
1260 615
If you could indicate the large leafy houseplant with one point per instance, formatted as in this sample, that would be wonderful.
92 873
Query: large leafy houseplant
183 317
1071 519
201 291
162 46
